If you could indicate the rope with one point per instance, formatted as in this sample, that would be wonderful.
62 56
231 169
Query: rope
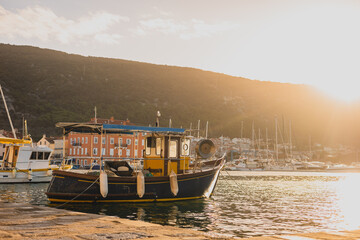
79 194
229 176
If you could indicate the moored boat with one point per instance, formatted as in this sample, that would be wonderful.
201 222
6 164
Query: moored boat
24 163
166 174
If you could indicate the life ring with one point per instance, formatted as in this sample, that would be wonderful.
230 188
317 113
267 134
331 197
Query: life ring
185 147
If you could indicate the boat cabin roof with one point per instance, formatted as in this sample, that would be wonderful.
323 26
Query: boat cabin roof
115 128
5 140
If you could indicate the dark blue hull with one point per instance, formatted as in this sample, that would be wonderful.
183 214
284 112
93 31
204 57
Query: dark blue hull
76 187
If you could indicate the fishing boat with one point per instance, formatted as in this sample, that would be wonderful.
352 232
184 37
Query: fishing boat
166 173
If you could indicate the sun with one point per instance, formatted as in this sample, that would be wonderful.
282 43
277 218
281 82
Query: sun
342 91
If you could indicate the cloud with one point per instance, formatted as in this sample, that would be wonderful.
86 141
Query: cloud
43 24
166 26
202 29
185 29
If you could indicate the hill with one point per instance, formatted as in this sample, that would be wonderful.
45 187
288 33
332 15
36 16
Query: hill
47 86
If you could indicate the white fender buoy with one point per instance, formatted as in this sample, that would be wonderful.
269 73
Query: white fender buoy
13 173
173 183
30 174
49 172
103 184
140 180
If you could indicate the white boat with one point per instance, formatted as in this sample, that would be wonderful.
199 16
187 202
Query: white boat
23 163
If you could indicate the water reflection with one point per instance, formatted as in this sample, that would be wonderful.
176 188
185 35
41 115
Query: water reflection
244 204
187 214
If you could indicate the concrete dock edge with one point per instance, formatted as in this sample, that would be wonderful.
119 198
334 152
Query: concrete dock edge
26 221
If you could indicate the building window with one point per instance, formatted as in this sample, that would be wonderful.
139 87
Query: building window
111 152
120 152
111 140
103 151
95 151
127 152
85 151
128 141
120 141
71 141
78 151
82 140
143 142
136 153
70 151
136 142
82 151
103 140
74 142
86 140
95 140
78 140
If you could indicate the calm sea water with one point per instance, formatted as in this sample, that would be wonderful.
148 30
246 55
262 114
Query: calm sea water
244 204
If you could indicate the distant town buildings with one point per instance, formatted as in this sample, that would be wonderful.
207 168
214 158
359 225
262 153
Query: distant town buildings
82 147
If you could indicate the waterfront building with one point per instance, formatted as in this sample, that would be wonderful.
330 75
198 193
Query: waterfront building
82 147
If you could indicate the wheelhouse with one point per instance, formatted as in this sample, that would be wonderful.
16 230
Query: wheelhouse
165 153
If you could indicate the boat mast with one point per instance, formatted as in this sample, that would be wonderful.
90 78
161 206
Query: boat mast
7 111
253 138
198 129
267 144
207 129
290 142
276 140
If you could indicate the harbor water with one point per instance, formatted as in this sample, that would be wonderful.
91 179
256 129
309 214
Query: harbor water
244 204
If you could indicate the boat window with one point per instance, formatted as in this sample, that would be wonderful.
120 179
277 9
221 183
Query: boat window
33 155
40 155
158 146
46 157
173 148
149 145
185 147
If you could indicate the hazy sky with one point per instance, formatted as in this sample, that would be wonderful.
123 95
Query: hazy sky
314 42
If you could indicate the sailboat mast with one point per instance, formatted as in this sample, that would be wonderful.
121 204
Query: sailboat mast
207 129
276 140
267 144
7 111
253 138
290 142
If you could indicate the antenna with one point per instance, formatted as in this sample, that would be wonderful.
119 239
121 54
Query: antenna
95 114
7 111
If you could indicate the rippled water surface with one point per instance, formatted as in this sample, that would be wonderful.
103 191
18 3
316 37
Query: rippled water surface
244 204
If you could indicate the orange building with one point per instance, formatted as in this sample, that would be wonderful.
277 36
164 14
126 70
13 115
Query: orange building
84 146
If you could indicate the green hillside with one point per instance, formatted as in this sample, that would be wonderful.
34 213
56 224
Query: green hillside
47 86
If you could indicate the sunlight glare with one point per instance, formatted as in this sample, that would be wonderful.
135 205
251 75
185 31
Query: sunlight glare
341 91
